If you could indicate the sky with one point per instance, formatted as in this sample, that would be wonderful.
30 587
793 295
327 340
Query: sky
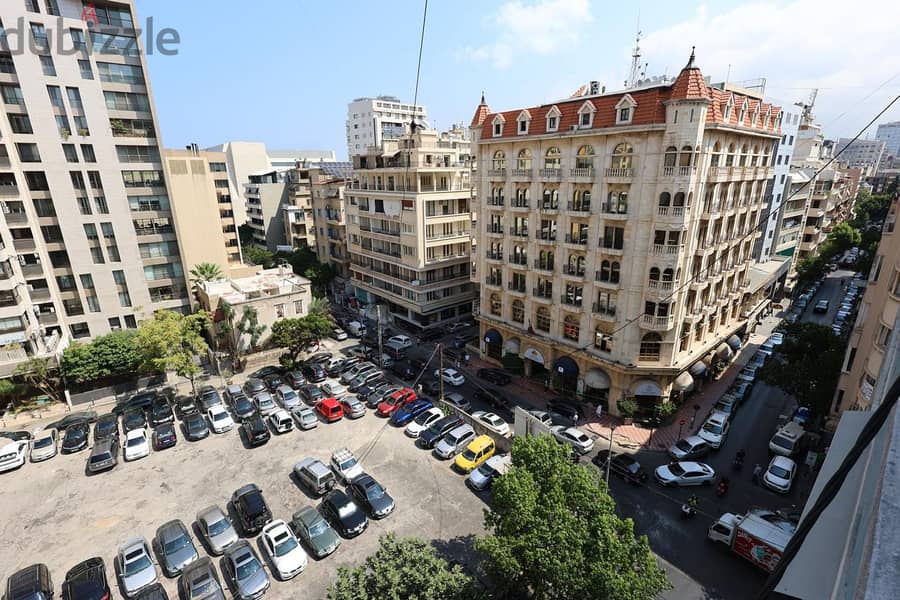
283 72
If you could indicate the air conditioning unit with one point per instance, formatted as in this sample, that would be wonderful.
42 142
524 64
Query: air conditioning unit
51 310
573 127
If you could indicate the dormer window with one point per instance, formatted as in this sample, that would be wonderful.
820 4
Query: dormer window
498 125
625 110
586 115
754 117
742 113
523 121
766 119
553 116
729 108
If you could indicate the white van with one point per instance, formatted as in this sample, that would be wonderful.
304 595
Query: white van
787 440
356 329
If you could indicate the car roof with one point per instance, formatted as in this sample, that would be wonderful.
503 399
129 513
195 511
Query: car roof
342 454
135 433
693 440
170 530
132 544
314 466
462 429
783 461
307 515
481 442
285 389
210 512
717 416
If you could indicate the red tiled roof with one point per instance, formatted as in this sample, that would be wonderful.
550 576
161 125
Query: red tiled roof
481 113
690 84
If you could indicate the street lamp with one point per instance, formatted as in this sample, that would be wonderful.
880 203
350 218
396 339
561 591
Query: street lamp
612 430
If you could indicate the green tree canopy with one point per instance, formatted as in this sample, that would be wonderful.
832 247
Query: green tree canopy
554 533
295 335
402 569
203 272
305 262
258 256
113 354
172 342
842 237
41 373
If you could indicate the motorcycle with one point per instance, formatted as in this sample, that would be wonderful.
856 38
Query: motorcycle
687 511
738 461
722 488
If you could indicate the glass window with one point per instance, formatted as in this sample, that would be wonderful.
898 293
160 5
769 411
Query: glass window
119 277
81 125
20 123
70 152
12 94
108 43
87 150
56 98
78 43
142 178
28 152
86 71
74 98
120 73
47 66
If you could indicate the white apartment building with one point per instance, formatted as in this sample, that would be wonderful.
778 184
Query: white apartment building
83 191
409 219
889 133
780 184
370 121
615 235
266 192
861 153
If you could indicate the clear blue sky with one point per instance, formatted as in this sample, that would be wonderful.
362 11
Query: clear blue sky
283 72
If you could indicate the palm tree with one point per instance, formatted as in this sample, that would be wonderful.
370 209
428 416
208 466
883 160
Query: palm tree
203 272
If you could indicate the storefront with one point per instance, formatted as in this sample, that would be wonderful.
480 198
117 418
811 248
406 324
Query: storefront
534 363
565 375
596 387
493 342
682 386
647 394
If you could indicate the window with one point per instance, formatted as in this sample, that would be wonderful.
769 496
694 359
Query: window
47 66
81 125
542 319
499 161
606 303
37 181
624 115
602 341
39 35
70 152
87 150
298 307
518 311
117 17
28 153
498 125
32 6
124 299
74 98
115 323
97 255
610 272
571 327
130 322
651 347
102 206
729 108
126 101
85 67
553 116
622 156
62 124
6 61
613 238
94 179
553 160
154 203
56 98
138 154
524 120
670 158
78 43
107 43
496 305
114 73
523 160
90 231
12 94
884 336
119 278
142 178
80 330
584 159
279 311
586 115
20 123
142 128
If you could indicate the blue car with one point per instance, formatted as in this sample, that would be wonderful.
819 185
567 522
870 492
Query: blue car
409 412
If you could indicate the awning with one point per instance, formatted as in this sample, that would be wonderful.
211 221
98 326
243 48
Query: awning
734 342
723 351
699 368
596 379
647 387
492 336
532 354
566 367
684 382
512 346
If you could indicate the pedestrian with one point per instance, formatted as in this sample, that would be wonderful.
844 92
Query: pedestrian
466 359
757 470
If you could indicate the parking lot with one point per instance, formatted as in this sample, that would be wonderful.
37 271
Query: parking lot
56 514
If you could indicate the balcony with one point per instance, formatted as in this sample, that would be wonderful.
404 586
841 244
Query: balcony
582 172
494 281
545 293
512 286
522 172
491 202
32 270
609 247
571 300
546 265
23 244
493 255
494 230
555 174
497 173
48 318
675 212
518 259
522 233
613 211
579 207
620 172
666 249
603 310
16 217
679 171
577 239
40 293
573 270
546 236
519 205
655 323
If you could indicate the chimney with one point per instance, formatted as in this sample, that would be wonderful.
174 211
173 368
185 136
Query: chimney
595 88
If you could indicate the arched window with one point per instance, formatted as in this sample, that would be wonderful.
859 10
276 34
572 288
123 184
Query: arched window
617 202
651 346
668 275
496 304
729 157
552 159
522 197
585 158
665 199
499 161
523 160
609 271
654 273
576 264
542 318
550 198
545 260
755 158
614 272
679 199
520 253
518 311
714 158
581 200
745 150
622 155
686 158
571 327
671 157
497 196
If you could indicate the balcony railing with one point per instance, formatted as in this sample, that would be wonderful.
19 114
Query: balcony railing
666 249
580 206
603 309
518 259
521 172
664 287
543 265
495 201
610 208
609 245
23 243
619 172
578 239
494 281
657 323
571 300
679 171
546 292
519 204
496 172
610 278
519 232
516 287
581 172
495 229
549 236
670 211
493 255
547 207
573 270
551 173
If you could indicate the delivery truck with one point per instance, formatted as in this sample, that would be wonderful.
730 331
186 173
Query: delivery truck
760 536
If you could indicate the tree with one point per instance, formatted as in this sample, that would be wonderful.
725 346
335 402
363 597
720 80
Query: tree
41 373
402 569
258 256
305 262
296 335
811 365
554 533
109 355
248 325
171 342
810 269
9 390
203 272
842 238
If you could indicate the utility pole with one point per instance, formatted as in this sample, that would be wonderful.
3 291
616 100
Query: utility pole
440 348
612 430
380 352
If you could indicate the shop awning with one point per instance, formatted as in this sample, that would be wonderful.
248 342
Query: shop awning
532 354
723 351
699 368
513 346
684 382
566 367
596 379
734 342
492 337
647 387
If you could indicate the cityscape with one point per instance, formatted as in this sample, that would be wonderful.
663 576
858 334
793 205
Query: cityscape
605 329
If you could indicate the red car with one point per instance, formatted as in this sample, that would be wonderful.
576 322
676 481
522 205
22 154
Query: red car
330 409
399 398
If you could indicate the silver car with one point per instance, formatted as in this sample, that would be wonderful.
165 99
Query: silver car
353 407
175 547
306 417
216 529
287 396
245 571
135 567
265 404
44 445
199 581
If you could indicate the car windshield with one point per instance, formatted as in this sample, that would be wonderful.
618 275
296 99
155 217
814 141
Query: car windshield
247 566
374 491
265 402
220 416
683 445
782 442
676 470
138 564
714 428
423 418
284 543
177 544
100 457
468 455
346 510
201 584
779 471
43 442
135 441
220 526
318 528
487 470
242 404
347 464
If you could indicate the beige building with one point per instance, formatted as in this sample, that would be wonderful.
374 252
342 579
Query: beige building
81 181
328 183
265 193
203 210
409 219
615 233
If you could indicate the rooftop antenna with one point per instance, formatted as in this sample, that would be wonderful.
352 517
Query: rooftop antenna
636 72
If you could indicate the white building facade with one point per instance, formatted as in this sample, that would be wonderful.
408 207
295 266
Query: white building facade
370 121
780 186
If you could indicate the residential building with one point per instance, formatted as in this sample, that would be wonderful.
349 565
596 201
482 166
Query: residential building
409 218
861 153
311 184
792 215
265 193
615 233
779 187
274 294
203 211
370 121
889 133
82 182
885 179
328 182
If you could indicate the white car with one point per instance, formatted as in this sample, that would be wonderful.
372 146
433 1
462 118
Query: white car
423 422
780 474
283 550
281 421
457 401
685 473
451 376
574 437
492 421
401 340
306 417
13 454
44 445
345 465
338 334
715 429
136 444
219 419
333 389
135 566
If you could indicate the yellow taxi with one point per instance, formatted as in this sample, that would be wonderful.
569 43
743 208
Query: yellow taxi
476 453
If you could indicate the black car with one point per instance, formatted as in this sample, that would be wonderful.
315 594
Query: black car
311 394
265 372
431 436
154 592
345 516
371 393
432 388
404 370
242 407
494 399
195 427
431 335
314 372
134 418
76 438
273 381
320 357
333 369
31 583
87 416
370 494
255 431
106 426
251 509
566 410
187 407
86 581
161 413
494 376
164 436
624 465
207 397
17 436
295 379
143 400
254 386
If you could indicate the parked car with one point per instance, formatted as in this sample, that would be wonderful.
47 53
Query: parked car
136 445
353 408
345 465
305 416
780 474
155 592
174 547
75 439
680 473
216 529
423 421
578 439
319 537
338 334
242 407
454 442
264 372
693 446
273 382
431 436
135 567
86 581
395 401
475 454
245 571
186 407
747 374
31 583
104 455
715 429
319 357
232 391
255 431
219 419
330 410
265 404
134 418
334 389
366 378
254 386
295 379
338 366
314 372
283 550
821 306
451 376
374 394
207 397
195 427
410 411
727 404
624 465
351 373
250 508
281 421
345 516
164 436
287 397
199 581
160 413
106 426
563 411
75 418
311 394
493 398
456 400
495 376
542 416
371 496
492 421
44 445
401 341
458 326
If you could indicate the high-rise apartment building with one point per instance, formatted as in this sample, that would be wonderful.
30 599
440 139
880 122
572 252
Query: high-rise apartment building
409 219
861 153
889 133
370 121
779 186
615 233
265 193
81 179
